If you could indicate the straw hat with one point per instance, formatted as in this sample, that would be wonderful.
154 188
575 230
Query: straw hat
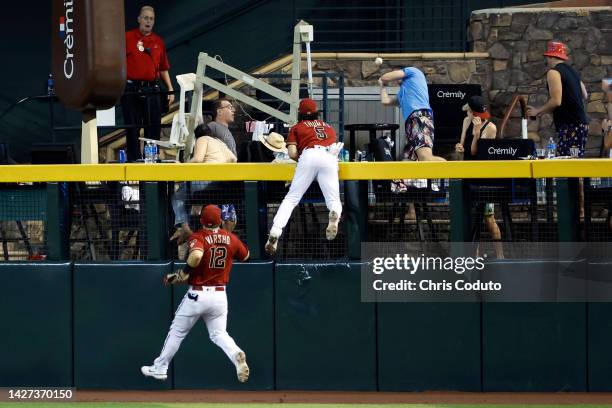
274 142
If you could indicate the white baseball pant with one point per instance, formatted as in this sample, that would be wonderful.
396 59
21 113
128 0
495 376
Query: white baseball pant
211 306
313 163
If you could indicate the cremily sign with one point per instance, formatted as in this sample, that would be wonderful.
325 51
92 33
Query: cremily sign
67 35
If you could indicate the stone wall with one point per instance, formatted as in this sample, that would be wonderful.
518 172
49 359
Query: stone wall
515 40
507 47
456 68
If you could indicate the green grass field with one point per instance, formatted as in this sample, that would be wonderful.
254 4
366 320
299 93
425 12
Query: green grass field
203 405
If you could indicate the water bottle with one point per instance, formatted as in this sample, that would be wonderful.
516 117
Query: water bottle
346 155
552 148
50 85
155 152
149 152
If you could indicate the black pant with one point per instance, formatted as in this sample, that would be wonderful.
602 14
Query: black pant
142 109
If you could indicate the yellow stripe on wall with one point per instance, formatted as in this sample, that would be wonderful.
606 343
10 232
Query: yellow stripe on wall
62 172
449 169
572 168
281 172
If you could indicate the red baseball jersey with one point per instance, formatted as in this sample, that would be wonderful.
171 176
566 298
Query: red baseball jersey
145 65
220 248
309 133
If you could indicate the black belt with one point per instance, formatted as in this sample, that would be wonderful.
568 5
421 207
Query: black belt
141 84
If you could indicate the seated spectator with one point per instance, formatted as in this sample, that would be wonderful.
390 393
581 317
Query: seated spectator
472 131
606 124
268 149
208 149
276 144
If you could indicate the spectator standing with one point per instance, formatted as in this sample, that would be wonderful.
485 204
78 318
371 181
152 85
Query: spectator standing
147 64
567 94
413 100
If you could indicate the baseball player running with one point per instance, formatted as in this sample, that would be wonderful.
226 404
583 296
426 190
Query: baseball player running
312 143
211 254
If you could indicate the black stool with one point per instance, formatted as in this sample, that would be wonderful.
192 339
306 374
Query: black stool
372 128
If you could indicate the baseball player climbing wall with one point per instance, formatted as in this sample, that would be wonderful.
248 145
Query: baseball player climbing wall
211 254
314 142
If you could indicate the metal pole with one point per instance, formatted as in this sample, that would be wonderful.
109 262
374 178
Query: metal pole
325 95
309 69
341 106
51 118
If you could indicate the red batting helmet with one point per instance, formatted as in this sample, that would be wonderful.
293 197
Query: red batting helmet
556 49
307 106
210 216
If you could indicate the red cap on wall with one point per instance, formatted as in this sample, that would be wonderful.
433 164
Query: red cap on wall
556 49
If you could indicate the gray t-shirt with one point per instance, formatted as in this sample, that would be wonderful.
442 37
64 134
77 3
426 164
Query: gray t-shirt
223 133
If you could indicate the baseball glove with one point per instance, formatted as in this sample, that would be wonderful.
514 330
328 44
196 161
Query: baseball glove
335 148
179 276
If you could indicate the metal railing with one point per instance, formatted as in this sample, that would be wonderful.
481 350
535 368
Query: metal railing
127 214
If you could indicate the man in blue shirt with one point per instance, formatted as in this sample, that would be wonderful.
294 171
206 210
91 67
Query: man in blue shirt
413 100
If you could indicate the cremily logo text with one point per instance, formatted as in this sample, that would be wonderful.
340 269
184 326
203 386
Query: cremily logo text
67 33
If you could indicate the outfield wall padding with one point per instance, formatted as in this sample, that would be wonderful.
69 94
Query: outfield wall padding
600 330
36 334
121 316
325 335
199 363
429 346
533 346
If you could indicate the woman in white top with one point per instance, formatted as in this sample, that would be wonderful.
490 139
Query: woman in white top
208 149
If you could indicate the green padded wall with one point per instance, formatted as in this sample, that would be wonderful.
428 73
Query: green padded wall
429 346
325 335
533 346
36 337
121 316
199 363
600 331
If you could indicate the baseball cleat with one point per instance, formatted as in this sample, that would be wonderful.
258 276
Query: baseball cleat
242 369
271 244
332 226
150 371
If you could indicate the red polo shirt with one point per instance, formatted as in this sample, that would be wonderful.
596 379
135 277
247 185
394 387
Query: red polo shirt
147 64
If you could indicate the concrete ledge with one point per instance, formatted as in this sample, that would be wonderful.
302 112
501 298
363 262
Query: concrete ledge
561 10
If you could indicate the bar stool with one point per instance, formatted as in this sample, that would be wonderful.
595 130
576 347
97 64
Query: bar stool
372 128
